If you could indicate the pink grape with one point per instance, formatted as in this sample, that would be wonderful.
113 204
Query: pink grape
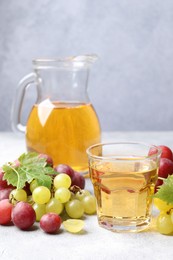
49 160
23 215
78 180
5 212
64 168
4 194
3 183
165 169
166 152
50 222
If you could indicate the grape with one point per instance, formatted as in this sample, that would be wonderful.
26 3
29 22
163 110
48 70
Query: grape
4 194
62 194
78 180
41 195
64 168
29 199
82 193
164 224
62 180
165 168
166 152
16 163
74 208
162 205
54 206
40 210
23 215
89 203
73 225
50 222
33 185
5 212
49 160
18 195
172 216
3 183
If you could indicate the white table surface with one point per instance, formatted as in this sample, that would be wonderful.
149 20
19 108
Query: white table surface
95 242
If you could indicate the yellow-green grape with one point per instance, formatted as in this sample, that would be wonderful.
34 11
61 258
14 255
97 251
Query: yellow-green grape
18 195
89 203
162 205
74 208
41 195
164 224
40 210
62 180
73 196
73 225
33 185
54 206
81 194
172 216
62 194
29 199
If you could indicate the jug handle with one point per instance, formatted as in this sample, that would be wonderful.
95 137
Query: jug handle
18 102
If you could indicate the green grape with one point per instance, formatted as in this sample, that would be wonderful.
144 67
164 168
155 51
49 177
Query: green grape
54 206
30 200
164 224
62 180
73 196
33 185
73 225
82 193
18 195
172 216
63 194
89 203
41 195
40 210
162 205
74 208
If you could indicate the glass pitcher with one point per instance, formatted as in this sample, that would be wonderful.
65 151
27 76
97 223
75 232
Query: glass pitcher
62 122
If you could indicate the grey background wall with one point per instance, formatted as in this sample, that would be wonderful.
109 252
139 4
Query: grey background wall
131 86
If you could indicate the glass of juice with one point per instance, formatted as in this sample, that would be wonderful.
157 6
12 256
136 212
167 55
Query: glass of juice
123 176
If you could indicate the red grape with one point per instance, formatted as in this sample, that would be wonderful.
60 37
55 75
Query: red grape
165 169
49 160
64 168
3 183
4 194
166 152
50 222
5 211
23 215
78 180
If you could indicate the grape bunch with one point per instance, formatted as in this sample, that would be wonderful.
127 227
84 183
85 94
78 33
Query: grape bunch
65 201
163 198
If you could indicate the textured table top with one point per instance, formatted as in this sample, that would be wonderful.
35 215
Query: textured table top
94 242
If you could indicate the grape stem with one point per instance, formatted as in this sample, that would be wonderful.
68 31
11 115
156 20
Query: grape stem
75 189
169 211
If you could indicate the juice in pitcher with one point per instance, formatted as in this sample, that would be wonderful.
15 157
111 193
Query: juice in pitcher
63 130
62 122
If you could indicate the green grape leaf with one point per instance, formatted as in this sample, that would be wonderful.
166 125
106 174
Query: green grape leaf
31 167
165 191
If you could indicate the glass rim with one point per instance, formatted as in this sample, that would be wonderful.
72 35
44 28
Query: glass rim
80 60
117 157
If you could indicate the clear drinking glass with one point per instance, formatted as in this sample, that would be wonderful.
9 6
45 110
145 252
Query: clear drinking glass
123 176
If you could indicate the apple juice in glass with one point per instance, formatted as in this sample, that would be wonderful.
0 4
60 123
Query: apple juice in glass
62 122
123 177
